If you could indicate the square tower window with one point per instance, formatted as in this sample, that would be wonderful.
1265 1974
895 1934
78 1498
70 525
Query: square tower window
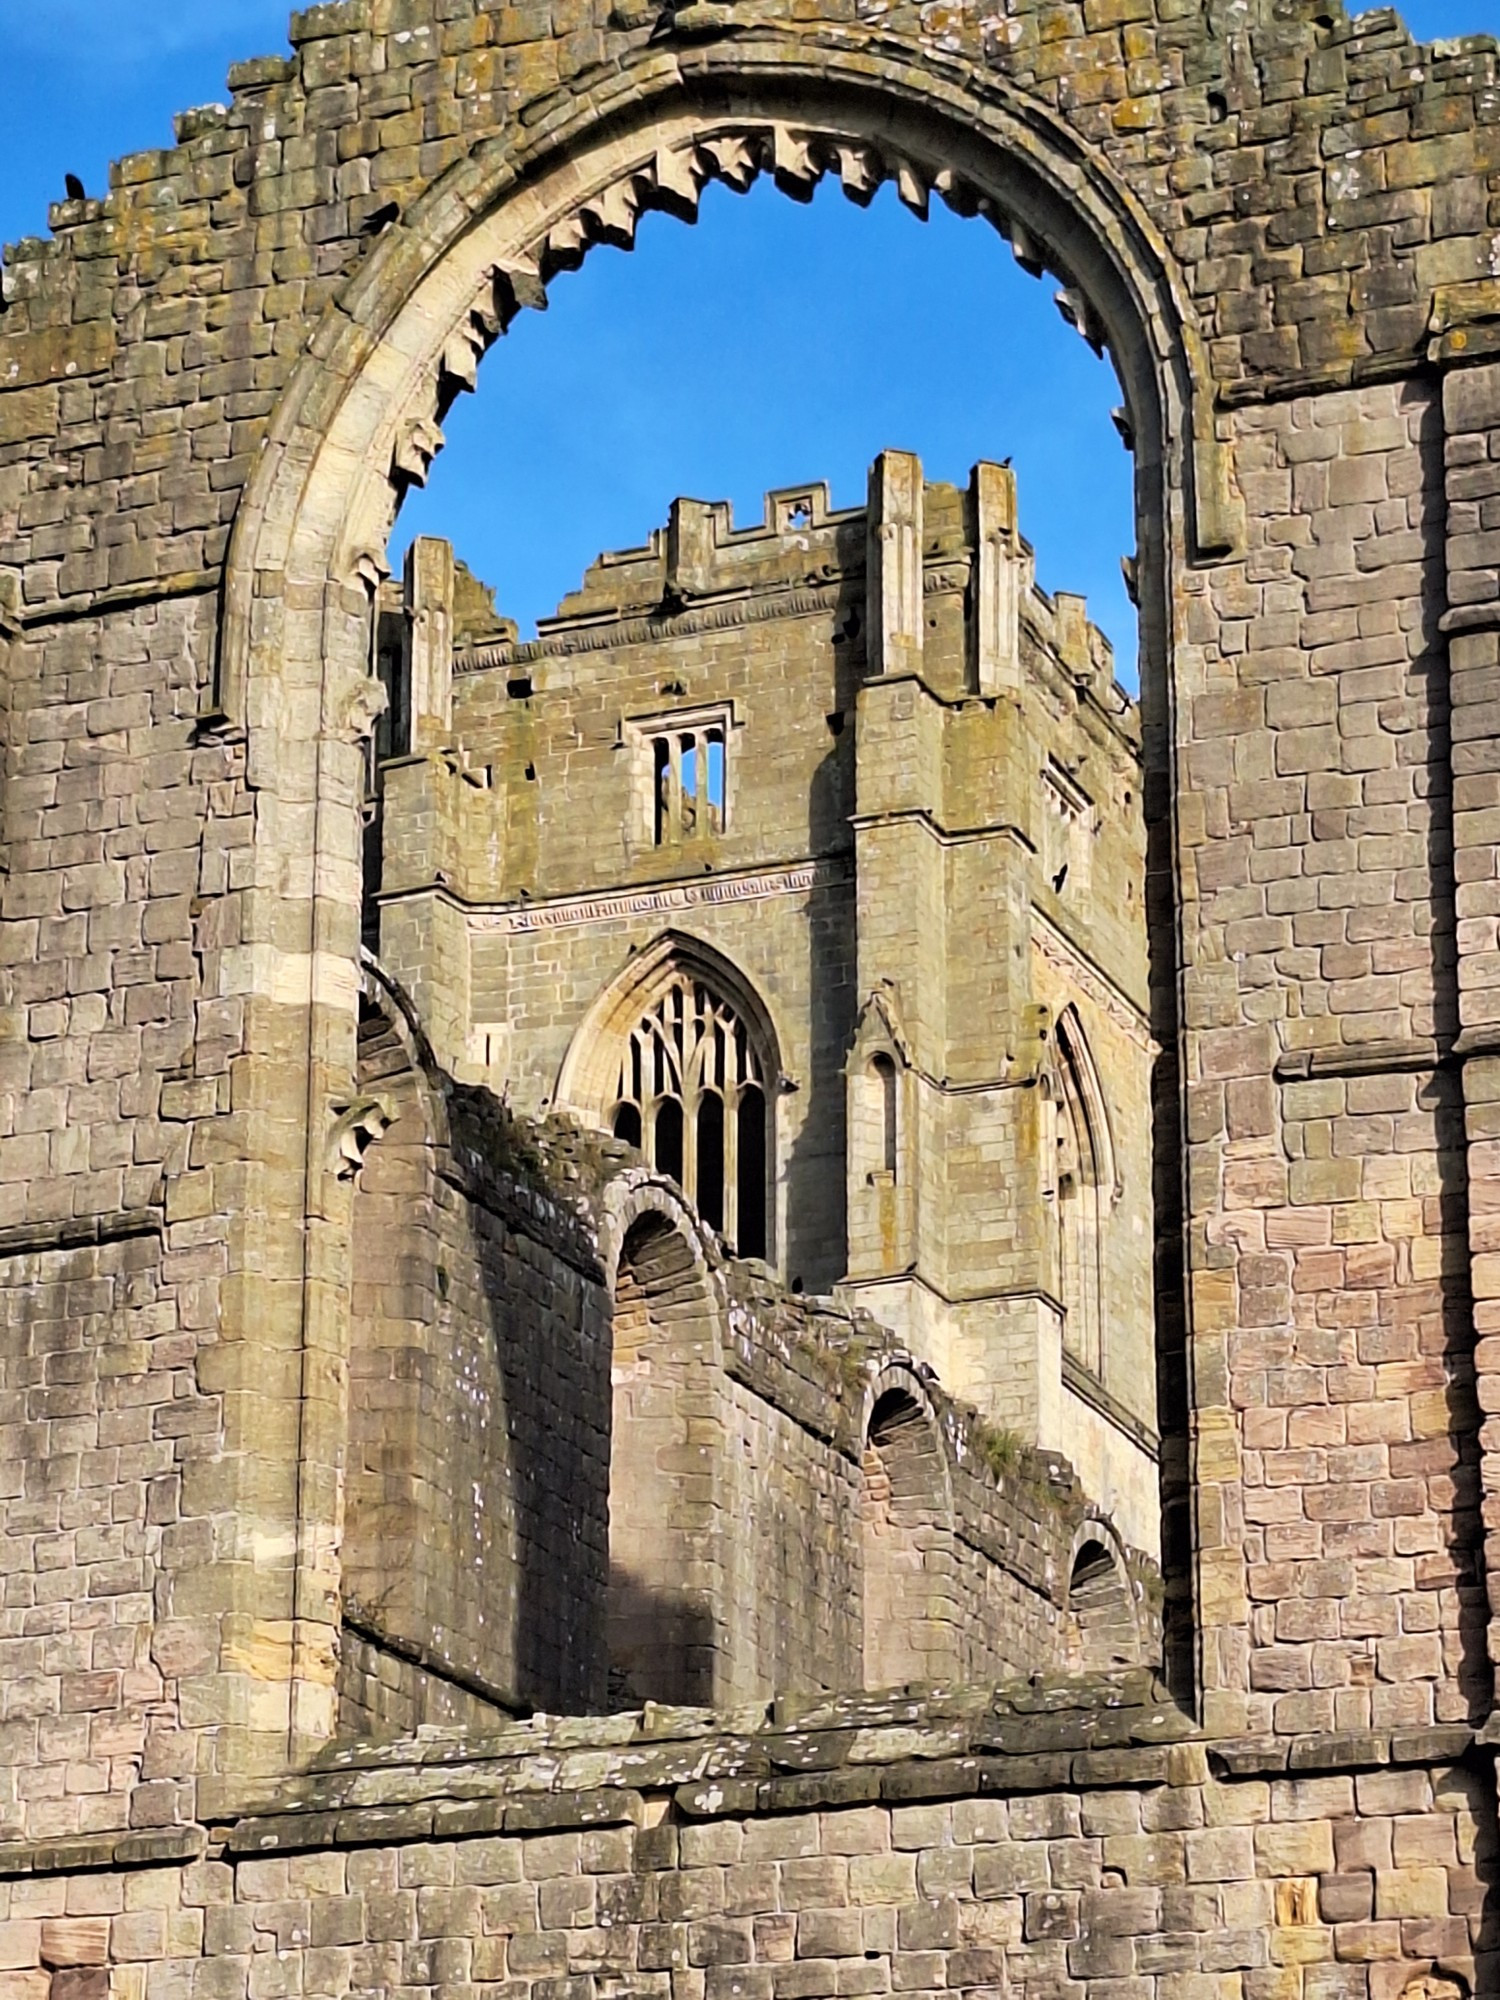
682 771
1067 832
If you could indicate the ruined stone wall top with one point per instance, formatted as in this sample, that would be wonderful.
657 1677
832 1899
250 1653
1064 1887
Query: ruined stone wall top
703 560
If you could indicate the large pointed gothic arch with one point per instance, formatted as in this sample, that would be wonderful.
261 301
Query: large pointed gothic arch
360 422
682 1031
360 419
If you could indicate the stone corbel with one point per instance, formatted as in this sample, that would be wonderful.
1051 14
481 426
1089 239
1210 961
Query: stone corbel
361 708
417 446
1218 512
356 1127
369 569
699 19
10 605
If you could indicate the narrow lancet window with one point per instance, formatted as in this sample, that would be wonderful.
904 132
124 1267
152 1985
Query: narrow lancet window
885 1076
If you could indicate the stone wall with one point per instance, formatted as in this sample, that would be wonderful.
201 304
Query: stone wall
1321 845
477 1478
102 1428
1017 1841
980 1582
511 1541
217 383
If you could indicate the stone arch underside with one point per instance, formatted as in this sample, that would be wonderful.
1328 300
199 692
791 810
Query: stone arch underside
912 1616
664 1622
361 422
1102 1630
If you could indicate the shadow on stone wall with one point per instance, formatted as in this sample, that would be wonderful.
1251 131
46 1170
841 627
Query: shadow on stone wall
1442 1096
662 1645
816 1221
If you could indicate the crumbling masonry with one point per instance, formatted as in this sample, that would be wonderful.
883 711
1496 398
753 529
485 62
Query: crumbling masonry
350 1416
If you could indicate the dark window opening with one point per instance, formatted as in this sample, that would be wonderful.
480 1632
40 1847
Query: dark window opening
666 1133
628 1124
750 1233
661 756
691 1084
885 1073
711 1161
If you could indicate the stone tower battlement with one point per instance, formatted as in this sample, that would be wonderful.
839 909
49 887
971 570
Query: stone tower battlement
703 561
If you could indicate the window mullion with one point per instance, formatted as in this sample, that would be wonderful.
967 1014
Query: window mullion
690 1142
731 1162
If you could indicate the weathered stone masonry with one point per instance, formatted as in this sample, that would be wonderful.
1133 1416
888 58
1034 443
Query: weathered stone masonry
782 1496
857 783
214 386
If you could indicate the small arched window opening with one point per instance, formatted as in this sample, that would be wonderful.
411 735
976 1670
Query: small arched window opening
888 1083
1101 1624
911 1616
691 1094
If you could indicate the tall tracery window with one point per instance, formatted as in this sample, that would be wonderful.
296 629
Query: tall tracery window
691 1095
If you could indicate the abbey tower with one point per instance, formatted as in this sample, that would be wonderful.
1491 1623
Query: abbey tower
808 857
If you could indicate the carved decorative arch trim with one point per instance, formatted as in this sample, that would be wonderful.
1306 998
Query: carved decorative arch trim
586 1080
1076 1057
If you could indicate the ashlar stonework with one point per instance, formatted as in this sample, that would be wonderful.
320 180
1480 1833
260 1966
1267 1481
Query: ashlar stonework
279 1270
839 819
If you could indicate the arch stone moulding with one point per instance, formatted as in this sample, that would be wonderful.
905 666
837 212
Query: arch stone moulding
586 1079
1119 1628
360 420
638 1194
357 425
901 1374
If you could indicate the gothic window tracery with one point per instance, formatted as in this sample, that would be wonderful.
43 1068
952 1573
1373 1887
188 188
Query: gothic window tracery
691 1095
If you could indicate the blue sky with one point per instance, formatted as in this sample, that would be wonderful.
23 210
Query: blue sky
771 344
